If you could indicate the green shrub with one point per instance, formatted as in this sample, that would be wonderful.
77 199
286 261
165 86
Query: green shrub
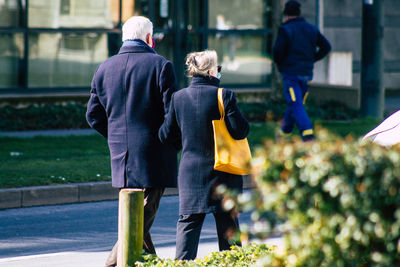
332 110
40 116
336 201
275 110
71 115
237 256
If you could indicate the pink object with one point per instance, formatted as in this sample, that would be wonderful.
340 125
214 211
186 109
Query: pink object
388 132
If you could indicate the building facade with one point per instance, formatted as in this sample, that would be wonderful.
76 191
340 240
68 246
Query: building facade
51 46
342 22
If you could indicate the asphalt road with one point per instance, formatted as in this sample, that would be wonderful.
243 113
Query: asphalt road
87 227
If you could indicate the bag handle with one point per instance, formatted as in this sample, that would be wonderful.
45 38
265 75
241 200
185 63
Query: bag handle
221 103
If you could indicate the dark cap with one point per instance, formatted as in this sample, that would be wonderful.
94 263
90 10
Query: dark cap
292 8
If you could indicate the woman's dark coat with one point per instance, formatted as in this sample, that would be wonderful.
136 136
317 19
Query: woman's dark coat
189 121
129 97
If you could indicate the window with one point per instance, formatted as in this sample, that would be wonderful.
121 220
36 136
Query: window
10 13
243 58
241 40
73 13
65 7
60 43
164 14
65 59
11 54
229 14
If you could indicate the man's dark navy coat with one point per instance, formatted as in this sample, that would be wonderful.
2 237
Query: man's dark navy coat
189 121
298 46
130 95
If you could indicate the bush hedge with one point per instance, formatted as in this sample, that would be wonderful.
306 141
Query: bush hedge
71 115
275 109
237 256
336 201
40 116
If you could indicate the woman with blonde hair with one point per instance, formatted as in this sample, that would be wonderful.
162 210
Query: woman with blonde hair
188 124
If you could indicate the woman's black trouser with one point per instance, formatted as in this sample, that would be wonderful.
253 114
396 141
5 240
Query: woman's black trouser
188 233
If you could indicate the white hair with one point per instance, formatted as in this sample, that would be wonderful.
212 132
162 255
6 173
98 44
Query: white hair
136 27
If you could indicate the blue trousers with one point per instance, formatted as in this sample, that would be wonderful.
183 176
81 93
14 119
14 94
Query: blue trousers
188 233
295 90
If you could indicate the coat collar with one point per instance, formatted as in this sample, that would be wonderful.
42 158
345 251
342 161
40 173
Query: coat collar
135 46
205 80
294 20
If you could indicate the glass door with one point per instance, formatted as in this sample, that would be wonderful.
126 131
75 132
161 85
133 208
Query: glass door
166 16
238 31
12 50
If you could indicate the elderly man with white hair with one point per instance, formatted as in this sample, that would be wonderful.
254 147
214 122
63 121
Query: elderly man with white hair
130 95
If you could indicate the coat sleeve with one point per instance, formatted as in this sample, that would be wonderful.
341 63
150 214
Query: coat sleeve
281 46
169 131
167 84
237 125
324 47
96 115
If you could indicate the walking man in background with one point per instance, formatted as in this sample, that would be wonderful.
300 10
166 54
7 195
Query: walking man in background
130 95
297 47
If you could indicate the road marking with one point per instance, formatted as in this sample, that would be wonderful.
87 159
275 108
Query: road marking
35 256
48 255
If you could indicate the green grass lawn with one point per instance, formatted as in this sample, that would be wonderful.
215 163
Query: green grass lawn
53 160
73 159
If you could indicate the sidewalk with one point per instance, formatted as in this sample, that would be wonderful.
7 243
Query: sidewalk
97 258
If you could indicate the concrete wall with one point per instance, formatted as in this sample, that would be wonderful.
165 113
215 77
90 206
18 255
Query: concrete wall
342 26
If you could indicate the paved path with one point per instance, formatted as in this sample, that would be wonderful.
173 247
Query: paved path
97 258
82 234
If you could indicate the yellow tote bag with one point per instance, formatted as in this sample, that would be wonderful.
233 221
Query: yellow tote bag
231 155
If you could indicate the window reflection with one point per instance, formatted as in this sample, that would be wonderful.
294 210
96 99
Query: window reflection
162 11
229 14
195 14
242 57
141 7
164 45
11 53
10 12
163 14
194 43
69 59
65 59
73 13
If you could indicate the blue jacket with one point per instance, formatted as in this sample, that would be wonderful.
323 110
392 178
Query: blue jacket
130 95
298 46
189 121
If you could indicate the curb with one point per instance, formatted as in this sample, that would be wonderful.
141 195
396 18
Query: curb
70 193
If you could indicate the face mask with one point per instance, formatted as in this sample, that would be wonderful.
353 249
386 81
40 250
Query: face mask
154 43
219 75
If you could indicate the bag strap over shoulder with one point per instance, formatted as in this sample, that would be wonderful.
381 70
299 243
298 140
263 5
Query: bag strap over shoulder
221 103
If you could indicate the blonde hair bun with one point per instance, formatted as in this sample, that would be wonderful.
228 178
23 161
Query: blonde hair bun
199 63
